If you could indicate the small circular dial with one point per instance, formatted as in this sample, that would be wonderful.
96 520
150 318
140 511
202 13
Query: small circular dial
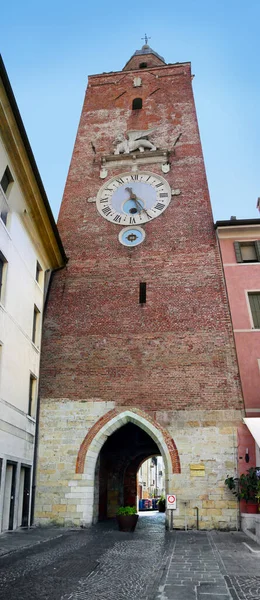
133 199
131 236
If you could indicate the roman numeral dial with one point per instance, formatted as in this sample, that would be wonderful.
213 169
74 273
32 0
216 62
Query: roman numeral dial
133 199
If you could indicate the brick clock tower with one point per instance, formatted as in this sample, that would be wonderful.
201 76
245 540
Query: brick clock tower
138 353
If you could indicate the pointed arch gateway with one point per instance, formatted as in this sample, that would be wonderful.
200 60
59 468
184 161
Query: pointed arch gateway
98 435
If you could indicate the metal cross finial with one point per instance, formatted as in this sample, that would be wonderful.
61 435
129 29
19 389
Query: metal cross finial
145 38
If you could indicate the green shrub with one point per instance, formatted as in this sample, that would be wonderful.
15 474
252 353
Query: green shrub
127 510
246 486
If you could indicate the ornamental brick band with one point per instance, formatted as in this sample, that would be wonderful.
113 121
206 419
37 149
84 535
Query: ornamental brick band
173 452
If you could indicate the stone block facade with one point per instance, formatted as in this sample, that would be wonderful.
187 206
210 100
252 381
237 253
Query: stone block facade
208 439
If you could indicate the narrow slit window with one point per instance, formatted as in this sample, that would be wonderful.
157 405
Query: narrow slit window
137 103
3 265
32 396
38 272
142 293
35 328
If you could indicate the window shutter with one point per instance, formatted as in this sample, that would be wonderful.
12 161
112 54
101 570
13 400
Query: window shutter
254 301
257 249
238 252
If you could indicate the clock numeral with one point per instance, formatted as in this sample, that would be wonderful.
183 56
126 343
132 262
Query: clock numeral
103 200
107 210
163 195
120 181
159 185
117 218
159 206
132 220
134 177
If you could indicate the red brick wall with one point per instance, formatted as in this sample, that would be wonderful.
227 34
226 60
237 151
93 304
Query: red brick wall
176 351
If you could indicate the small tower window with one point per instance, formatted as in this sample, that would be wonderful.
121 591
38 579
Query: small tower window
142 293
143 65
137 103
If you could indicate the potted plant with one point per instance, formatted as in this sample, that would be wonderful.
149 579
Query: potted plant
258 490
127 518
161 504
245 488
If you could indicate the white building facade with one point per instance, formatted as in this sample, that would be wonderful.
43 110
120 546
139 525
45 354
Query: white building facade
30 249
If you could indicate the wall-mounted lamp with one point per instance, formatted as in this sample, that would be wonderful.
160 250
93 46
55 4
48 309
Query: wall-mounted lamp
247 457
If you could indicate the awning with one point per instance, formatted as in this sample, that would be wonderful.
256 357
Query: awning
253 424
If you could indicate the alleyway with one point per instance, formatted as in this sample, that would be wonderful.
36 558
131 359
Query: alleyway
151 564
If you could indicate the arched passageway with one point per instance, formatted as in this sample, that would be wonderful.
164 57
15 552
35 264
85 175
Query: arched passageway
95 457
117 467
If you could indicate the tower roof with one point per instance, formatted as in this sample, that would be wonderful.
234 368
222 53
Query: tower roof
154 58
146 49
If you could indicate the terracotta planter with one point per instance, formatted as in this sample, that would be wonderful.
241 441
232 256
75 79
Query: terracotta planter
249 507
161 505
127 522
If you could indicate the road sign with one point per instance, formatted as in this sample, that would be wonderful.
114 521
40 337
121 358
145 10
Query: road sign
171 501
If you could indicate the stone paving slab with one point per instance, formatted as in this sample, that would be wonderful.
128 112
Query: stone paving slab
194 570
150 564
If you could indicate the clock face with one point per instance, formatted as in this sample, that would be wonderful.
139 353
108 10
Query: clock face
133 199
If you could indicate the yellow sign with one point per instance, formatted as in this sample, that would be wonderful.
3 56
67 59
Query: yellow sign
197 470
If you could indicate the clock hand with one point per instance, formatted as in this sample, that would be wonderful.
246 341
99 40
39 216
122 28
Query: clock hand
133 197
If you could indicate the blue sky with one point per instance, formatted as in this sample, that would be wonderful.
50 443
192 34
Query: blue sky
49 48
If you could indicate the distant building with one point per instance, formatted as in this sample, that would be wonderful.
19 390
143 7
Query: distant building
30 248
151 478
239 242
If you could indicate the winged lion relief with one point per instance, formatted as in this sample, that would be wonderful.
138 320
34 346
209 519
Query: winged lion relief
134 140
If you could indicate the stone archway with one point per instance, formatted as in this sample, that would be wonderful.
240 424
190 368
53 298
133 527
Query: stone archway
97 436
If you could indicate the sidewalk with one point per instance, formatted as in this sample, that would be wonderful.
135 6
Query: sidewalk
12 541
211 566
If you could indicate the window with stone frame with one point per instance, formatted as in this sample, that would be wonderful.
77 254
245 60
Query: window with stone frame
247 252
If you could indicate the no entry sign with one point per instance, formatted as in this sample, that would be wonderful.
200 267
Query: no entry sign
171 501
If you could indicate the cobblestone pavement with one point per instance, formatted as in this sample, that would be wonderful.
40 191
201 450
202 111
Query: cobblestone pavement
150 564
99 562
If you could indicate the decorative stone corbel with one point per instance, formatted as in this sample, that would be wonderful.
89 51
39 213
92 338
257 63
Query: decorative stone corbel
103 173
176 192
166 167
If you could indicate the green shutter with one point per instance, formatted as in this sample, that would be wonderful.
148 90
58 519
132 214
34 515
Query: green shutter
238 252
254 301
257 249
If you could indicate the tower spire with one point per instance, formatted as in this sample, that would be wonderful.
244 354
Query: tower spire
145 39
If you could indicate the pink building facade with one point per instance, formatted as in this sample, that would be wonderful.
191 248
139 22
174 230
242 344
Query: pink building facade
239 242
